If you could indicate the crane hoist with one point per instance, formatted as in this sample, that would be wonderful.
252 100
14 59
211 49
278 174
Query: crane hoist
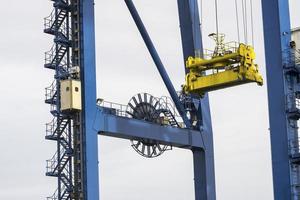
230 64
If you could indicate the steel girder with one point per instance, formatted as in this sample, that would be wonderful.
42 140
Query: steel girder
200 143
277 35
191 36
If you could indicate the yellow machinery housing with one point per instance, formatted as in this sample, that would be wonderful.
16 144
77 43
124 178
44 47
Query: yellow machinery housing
70 91
228 65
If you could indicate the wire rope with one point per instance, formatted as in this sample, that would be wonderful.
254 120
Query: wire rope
217 20
252 23
244 21
201 10
195 6
237 21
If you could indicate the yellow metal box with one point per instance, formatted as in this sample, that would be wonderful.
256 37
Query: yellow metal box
70 91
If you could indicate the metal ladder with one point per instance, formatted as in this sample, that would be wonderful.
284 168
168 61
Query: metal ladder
170 117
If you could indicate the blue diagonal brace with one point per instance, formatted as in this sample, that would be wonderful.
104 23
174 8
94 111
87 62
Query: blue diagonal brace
162 71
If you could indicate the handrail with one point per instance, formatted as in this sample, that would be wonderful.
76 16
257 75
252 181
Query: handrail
50 91
120 109
292 102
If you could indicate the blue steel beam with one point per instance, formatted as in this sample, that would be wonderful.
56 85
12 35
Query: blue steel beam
277 35
157 61
88 79
128 128
203 160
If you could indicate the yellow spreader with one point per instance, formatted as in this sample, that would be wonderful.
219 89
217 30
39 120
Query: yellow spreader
230 64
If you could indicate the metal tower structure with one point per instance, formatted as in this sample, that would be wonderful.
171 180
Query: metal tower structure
65 127
147 121
283 95
75 132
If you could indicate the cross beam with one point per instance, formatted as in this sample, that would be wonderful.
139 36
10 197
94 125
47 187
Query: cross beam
204 177
94 121
128 128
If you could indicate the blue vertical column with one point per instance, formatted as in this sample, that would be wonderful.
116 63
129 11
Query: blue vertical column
277 36
88 79
204 173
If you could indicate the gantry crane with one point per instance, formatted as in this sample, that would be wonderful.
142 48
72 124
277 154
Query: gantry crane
147 121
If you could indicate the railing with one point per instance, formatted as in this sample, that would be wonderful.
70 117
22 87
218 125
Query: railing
50 127
55 194
119 109
168 104
49 55
50 91
52 164
292 102
294 145
291 58
230 47
295 181
48 21
53 108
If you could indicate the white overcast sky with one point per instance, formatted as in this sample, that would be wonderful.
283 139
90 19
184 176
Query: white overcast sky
124 68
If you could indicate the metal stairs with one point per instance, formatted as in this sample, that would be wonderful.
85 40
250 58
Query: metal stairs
56 128
64 196
55 55
55 166
59 130
292 75
54 21
170 117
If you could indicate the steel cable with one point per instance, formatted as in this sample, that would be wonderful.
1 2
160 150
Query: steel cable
252 23
237 21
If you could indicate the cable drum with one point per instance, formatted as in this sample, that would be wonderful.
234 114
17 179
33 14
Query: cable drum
144 106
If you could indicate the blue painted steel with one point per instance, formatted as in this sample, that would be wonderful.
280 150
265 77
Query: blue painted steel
200 177
191 35
128 128
277 37
158 62
88 76
203 161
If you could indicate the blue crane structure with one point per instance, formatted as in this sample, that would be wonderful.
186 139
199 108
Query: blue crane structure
75 164
283 95
75 131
